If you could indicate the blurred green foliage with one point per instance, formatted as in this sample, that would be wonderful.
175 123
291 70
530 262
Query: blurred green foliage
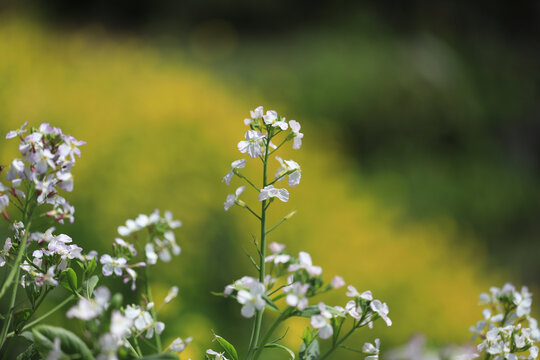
162 130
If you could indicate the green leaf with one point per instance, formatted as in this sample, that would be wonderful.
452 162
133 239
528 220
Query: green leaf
68 280
27 335
227 346
31 353
21 316
91 267
70 343
310 352
164 356
279 346
91 284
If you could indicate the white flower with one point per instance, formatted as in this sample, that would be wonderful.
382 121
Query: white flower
178 345
48 278
173 224
257 113
120 324
353 309
337 282
158 326
5 251
151 256
272 118
232 198
295 127
252 299
322 322
14 133
372 350
296 295
366 295
237 164
4 202
70 147
108 345
269 191
253 143
381 309
141 319
173 292
126 245
217 356
16 170
276 256
111 265
56 352
88 309
305 263
130 227
289 167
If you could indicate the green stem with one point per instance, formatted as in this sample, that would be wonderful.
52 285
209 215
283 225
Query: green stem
5 327
152 310
262 252
18 259
44 316
248 181
270 331
137 346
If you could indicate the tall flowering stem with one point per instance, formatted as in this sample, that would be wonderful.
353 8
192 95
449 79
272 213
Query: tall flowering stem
262 251
282 276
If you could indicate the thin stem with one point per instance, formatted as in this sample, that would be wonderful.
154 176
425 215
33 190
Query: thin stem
280 145
15 268
253 212
137 346
152 310
262 251
270 331
275 226
5 327
248 181
44 316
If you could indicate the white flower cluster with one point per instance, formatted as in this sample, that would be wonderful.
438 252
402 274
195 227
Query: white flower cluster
508 331
160 242
257 144
48 158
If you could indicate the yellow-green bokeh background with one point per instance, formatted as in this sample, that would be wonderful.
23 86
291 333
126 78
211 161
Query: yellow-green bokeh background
161 131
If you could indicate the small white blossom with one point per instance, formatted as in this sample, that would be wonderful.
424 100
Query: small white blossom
296 295
217 356
88 309
237 164
173 292
178 345
112 265
305 263
372 350
381 309
322 322
14 133
269 191
272 118
295 127
253 143
337 282
252 299
233 198
289 167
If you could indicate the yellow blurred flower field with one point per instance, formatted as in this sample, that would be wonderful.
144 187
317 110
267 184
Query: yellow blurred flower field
161 132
